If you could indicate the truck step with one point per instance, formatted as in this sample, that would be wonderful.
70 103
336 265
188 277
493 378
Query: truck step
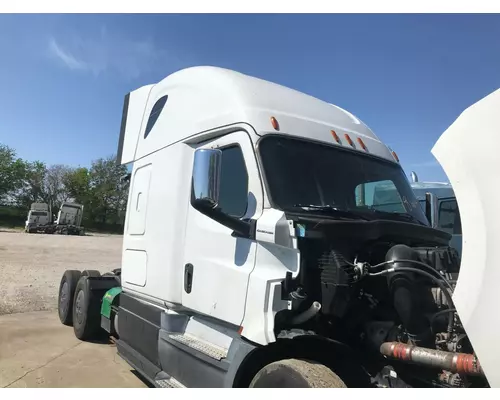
209 349
169 383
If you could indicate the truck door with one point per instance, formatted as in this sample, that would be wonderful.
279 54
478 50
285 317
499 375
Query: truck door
217 263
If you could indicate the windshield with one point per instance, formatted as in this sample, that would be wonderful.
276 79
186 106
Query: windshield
301 173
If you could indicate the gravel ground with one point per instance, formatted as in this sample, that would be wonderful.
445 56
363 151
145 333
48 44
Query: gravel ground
31 265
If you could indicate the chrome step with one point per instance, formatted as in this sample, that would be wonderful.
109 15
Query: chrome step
170 383
209 349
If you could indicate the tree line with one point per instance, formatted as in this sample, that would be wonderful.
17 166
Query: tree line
101 189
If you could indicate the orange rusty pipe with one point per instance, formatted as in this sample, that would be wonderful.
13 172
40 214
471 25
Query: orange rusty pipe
461 363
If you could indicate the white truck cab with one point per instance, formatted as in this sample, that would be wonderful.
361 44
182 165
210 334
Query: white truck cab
38 215
255 254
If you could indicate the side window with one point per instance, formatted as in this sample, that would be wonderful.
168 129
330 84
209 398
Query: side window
379 195
233 196
155 113
449 217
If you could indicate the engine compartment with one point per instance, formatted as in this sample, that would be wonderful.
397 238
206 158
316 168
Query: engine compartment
385 288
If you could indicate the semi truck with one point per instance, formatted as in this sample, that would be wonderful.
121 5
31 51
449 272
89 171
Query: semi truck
443 212
68 221
269 265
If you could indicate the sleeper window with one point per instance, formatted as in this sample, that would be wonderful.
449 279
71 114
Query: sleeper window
155 113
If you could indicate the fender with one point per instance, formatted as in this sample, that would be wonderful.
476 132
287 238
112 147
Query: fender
468 153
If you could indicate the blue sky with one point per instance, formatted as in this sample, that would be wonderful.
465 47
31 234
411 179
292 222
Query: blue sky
63 77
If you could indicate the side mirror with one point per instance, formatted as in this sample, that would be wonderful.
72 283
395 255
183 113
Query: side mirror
206 177
431 209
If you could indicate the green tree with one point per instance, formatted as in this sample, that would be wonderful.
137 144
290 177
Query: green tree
12 171
33 188
107 190
76 182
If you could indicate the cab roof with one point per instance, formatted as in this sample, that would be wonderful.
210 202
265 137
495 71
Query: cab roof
199 99
440 189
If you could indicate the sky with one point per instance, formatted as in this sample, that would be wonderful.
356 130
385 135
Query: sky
408 77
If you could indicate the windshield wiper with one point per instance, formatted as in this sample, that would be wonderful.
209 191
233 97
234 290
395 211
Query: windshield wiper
333 211
399 215
409 218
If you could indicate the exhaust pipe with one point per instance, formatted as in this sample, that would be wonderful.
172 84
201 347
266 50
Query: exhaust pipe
466 364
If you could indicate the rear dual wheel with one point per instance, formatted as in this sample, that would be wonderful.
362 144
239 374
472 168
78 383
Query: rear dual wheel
86 311
67 288
77 305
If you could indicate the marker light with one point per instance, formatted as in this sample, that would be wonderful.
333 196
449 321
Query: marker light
395 156
362 144
349 140
336 137
274 123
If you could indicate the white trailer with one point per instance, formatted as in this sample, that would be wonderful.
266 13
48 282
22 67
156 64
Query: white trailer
254 254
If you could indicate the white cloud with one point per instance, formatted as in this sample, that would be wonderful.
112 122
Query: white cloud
109 53
70 61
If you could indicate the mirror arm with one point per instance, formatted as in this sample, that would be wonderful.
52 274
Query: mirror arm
431 211
244 229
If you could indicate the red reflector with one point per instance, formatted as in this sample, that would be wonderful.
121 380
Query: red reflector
362 144
349 140
335 136
274 123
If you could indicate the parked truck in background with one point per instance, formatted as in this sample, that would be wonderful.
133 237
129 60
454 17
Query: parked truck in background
437 200
68 220
444 213
270 265
39 214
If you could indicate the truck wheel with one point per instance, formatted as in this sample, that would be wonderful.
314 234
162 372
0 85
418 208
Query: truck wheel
66 293
86 311
92 273
293 373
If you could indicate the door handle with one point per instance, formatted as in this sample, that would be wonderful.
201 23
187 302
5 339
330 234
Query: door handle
188 277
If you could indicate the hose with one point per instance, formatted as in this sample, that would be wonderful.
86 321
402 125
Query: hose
448 310
307 314
427 267
438 281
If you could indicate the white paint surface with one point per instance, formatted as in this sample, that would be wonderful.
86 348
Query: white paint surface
468 153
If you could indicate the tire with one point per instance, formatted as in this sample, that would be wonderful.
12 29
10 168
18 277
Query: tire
67 288
293 373
91 273
86 311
